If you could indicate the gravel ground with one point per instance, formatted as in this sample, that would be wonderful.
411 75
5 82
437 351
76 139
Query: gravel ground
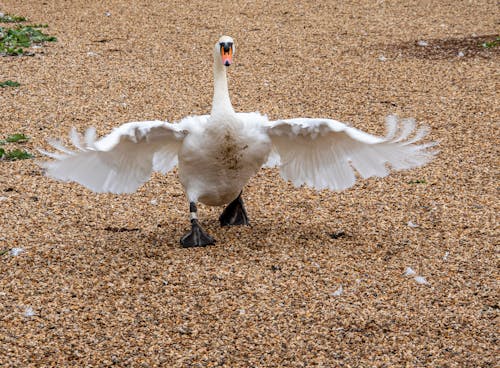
319 278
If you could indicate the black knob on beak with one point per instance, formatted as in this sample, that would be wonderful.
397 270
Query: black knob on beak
226 45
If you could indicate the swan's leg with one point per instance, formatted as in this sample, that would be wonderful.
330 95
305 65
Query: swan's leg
234 213
197 237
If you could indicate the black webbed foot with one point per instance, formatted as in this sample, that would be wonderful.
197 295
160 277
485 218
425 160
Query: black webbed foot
197 237
234 214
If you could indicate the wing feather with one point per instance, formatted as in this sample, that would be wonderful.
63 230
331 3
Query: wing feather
119 162
324 153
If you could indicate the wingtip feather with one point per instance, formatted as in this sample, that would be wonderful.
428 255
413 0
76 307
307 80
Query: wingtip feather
90 137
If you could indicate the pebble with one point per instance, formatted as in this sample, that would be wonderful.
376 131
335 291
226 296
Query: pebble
16 251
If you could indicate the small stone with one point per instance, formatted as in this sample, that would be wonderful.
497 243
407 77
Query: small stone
445 257
16 251
338 292
409 272
421 280
184 330
422 43
29 312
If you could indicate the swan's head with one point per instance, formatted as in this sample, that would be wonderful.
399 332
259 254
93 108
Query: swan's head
224 51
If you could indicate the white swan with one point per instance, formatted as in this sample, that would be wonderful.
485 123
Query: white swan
218 153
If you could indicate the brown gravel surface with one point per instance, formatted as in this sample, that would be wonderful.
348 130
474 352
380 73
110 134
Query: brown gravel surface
103 281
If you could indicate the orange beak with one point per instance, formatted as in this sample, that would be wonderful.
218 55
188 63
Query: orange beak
226 54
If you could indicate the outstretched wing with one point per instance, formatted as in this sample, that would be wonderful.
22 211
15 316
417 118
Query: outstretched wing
323 153
119 162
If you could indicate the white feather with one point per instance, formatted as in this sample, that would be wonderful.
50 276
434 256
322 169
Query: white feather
391 123
75 138
406 127
323 153
273 159
54 155
58 145
90 137
121 161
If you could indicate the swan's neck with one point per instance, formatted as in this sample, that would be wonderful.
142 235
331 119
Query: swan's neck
221 104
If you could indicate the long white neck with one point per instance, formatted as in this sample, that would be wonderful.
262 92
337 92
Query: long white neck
221 104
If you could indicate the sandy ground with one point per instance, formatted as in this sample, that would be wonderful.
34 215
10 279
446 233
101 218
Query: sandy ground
103 281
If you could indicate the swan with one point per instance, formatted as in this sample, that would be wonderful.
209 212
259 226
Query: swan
217 154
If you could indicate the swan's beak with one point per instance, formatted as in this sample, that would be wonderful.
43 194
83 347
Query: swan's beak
226 53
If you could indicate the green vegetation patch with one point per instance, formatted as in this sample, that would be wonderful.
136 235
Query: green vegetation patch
17 138
8 18
14 41
491 44
9 83
16 153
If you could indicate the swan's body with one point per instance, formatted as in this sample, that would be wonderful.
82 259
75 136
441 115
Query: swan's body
218 153
219 156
